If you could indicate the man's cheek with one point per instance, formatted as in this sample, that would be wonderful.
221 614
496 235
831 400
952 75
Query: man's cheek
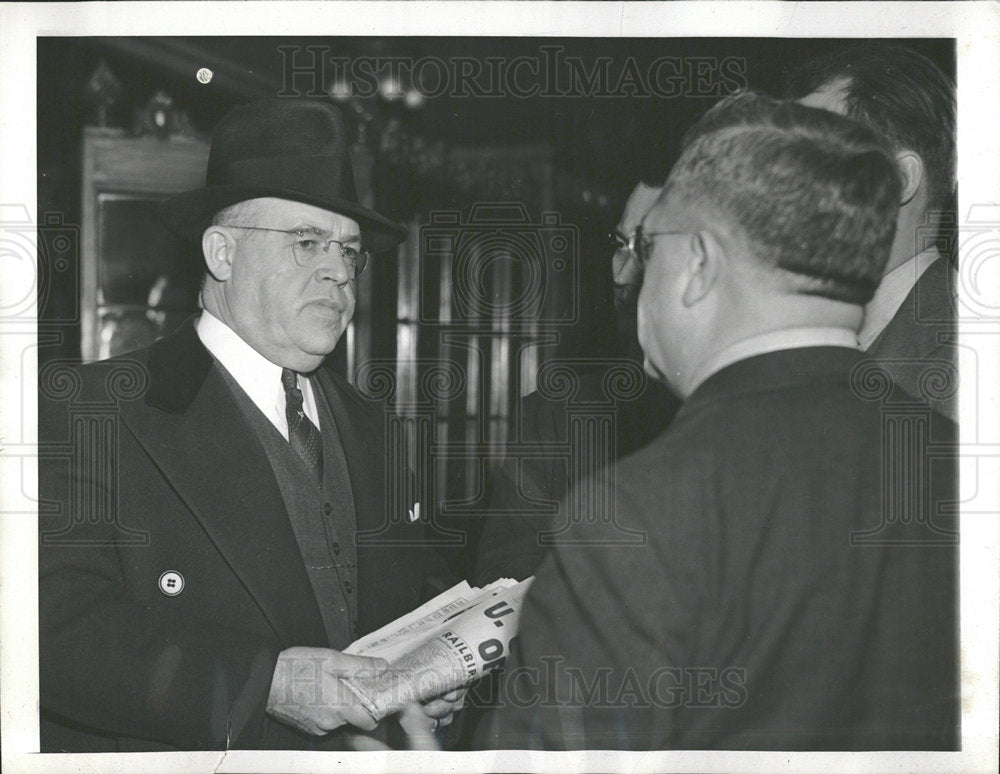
640 325
350 304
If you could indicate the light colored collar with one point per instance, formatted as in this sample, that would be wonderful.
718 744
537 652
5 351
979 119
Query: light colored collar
891 293
259 378
773 341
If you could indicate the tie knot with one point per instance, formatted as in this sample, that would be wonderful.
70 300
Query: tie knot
293 395
289 379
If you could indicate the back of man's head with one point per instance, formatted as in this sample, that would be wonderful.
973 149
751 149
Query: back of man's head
813 194
898 93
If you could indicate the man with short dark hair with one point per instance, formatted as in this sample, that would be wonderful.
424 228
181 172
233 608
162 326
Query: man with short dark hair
909 325
754 615
204 565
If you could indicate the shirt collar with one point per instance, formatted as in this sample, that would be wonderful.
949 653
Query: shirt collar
772 341
259 378
891 293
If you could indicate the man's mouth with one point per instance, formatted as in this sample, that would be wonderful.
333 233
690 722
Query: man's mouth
325 308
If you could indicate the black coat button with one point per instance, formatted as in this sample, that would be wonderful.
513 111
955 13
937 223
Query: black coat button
349 587
327 509
336 549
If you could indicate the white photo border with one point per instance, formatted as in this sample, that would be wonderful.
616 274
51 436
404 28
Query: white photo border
976 28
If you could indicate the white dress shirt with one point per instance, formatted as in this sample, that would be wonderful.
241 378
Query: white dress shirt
772 341
258 376
891 293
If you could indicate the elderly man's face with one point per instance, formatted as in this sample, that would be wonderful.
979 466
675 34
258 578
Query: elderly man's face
293 315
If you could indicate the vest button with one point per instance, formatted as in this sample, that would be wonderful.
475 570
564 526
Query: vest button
327 509
336 549
349 587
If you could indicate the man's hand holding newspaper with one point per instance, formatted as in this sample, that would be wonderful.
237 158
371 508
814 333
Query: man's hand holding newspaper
446 644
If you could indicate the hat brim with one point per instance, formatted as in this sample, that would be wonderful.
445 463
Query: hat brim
189 214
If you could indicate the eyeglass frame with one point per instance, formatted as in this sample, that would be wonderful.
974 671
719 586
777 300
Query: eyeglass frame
300 232
638 245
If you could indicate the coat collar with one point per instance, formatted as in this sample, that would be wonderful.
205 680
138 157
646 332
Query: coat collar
178 366
925 320
774 371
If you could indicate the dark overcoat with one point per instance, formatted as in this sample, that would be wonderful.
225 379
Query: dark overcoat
149 467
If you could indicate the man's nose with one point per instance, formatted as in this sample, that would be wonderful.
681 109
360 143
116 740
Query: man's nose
333 266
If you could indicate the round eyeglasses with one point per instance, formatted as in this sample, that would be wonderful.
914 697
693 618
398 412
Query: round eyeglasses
310 249
637 245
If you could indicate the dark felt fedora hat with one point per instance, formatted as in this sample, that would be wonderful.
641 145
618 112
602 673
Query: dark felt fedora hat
285 148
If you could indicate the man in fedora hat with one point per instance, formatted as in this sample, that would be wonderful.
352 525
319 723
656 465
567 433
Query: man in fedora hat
201 572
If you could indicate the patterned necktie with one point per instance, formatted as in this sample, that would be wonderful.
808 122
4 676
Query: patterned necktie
303 435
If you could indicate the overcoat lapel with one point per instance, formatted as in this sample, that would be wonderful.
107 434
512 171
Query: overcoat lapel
196 434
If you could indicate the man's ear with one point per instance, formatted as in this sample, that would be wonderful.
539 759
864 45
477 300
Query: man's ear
911 173
218 246
704 261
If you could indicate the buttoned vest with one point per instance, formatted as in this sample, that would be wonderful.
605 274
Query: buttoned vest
322 517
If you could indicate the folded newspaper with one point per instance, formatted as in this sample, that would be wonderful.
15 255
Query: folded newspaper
446 643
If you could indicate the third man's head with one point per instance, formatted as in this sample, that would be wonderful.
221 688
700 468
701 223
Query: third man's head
910 102
775 216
